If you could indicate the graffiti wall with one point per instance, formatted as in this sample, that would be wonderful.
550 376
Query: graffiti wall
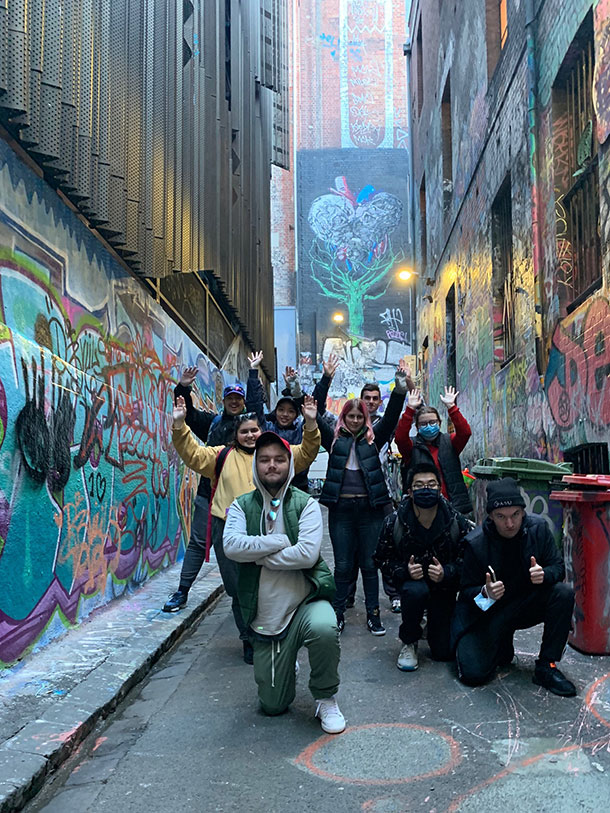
93 498
353 230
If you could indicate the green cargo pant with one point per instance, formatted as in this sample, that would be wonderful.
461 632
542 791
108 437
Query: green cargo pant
314 626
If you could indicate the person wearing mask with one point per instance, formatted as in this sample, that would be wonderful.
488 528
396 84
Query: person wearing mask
431 445
512 579
274 535
285 419
217 430
357 498
421 547
231 475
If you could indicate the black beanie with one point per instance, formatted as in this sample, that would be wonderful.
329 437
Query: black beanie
503 494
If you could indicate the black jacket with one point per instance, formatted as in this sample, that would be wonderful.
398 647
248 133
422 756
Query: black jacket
392 556
483 548
450 465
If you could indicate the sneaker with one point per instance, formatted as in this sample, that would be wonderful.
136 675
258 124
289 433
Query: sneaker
340 622
550 677
407 660
373 622
396 605
331 719
350 602
248 653
175 602
297 670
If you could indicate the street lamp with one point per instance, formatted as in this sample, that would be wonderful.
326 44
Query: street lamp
338 318
404 275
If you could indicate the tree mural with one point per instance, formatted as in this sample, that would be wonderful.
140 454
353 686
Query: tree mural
352 252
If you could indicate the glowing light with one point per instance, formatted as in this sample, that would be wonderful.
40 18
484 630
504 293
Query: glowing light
404 275
338 317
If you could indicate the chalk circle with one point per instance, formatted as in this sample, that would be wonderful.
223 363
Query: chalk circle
381 754
597 699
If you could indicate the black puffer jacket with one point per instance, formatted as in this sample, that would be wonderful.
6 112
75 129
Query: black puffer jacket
368 458
450 465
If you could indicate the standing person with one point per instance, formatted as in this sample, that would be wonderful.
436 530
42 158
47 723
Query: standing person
433 446
357 498
421 547
285 419
512 579
274 535
217 430
231 474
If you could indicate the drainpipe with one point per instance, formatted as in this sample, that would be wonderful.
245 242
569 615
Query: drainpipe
531 14
407 51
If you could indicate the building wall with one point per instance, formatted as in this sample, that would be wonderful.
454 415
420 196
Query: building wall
93 498
554 392
349 109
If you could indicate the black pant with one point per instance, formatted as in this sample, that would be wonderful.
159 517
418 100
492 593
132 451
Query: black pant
417 595
194 556
479 649
229 571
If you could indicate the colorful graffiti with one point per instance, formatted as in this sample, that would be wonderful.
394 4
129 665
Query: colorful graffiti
578 374
601 79
352 253
93 498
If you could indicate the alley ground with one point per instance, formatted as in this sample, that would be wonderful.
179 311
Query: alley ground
191 738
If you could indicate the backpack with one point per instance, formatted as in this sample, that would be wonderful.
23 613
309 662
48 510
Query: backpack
220 461
454 530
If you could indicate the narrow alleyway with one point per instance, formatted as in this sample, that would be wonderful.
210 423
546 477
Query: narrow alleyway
190 738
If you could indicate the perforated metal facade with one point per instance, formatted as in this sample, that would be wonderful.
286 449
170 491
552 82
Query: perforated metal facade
156 120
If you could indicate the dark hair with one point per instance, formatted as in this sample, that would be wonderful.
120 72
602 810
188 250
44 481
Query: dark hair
247 416
370 386
422 468
424 409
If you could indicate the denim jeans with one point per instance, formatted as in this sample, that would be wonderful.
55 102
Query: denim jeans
354 532
194 555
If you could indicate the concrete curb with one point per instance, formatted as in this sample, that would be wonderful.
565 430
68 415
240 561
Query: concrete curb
49 736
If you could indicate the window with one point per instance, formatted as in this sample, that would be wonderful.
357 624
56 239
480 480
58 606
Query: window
423 231
496 31
576 176
450 337
502 275
420 71
589 458
447 146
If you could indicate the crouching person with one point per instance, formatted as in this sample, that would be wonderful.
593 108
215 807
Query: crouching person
512 579
420 551
284 586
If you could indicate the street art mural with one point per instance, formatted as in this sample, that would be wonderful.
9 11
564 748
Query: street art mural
353 239
93 497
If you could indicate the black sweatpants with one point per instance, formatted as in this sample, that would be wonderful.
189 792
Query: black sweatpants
415 597
479 649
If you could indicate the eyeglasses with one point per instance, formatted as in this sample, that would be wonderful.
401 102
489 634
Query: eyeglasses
428 423
419 486
275 504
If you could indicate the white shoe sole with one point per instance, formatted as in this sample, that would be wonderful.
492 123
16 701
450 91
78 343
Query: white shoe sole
407 668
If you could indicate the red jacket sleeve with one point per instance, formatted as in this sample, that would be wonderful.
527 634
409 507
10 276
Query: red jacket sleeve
462 433
403 441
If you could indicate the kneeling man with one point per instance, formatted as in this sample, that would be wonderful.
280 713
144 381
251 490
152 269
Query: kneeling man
512 579
284 586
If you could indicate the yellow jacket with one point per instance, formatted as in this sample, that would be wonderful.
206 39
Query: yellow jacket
236 475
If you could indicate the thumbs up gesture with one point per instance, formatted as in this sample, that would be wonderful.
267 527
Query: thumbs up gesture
416 571
536 572
494 589
435 571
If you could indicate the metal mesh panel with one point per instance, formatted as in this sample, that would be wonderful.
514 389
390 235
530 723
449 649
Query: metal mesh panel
3 47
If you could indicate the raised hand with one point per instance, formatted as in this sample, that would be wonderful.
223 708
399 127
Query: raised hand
289 374
536 571
494 589
189 374
310 411
414 399
450 397
255 360
416 571
404 368
179 413
329 367
436 572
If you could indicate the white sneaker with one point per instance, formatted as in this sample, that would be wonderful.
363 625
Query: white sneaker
395 605
331 719
407 660
297 669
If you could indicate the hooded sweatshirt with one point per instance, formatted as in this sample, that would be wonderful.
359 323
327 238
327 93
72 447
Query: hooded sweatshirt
283 586
236 475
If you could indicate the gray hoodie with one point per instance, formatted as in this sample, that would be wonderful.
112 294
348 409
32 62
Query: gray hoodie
283 585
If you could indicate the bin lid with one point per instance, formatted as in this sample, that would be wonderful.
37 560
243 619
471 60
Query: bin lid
589 481
569 496
524 468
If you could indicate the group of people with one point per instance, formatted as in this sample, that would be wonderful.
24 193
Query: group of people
471 587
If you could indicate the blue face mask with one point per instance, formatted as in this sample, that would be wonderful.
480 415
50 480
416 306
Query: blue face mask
429 432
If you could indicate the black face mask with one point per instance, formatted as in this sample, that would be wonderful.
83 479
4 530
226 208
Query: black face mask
426 497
